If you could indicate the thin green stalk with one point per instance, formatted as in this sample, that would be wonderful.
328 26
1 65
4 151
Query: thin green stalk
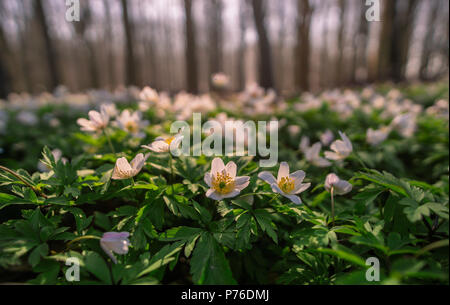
172 177
358 158
81 238
332 206
38 192
274 197
109 141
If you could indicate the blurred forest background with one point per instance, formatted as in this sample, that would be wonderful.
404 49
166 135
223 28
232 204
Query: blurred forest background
173 45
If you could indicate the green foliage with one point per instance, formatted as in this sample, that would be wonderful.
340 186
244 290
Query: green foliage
398 211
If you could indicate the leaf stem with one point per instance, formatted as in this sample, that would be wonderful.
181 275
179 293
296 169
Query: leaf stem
109 141
37 191
171 172
332 206
81 238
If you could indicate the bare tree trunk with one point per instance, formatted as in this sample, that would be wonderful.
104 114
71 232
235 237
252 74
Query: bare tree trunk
130 74
265 60
242 45
340 75
81 29
325 66
395 38
51 54
403 23
303 47
112 79
360 46
428 47
279 75
5 57
215 35
191 59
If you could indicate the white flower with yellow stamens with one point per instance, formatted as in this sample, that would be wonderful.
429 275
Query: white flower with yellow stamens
341 148
124 170
131 122
223 182
162 145
288 185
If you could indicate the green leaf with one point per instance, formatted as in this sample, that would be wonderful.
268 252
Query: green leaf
209 264
345 254
36 255
266 224
96 265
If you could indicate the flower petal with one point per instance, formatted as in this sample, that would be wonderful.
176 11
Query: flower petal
231 194
295 199
208 179
301 188
283 171
242 182
298 176
231 169
217 166
211 193
138 162
267 177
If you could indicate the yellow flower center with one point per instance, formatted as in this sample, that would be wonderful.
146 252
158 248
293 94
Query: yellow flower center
223 183
286 184
169 140
132 127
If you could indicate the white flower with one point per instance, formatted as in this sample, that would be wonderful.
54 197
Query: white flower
131 122
286 184
312 155
115 242
340 187
405 124
293 130
162 145
125 170
27 118
220 80
110 109
327 137
341 148
304 144
375 137
97 121
149 94
223 182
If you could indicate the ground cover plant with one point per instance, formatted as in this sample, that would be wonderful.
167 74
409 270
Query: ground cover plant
361 174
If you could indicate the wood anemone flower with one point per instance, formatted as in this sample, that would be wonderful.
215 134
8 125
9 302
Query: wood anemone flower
162 145
341 148
124 170
223 182
288 185
312 156
115 242
97 121
340 187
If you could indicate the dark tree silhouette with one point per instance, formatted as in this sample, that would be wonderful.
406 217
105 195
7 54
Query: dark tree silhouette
191 59
130 74
265 59
51 54
303 46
